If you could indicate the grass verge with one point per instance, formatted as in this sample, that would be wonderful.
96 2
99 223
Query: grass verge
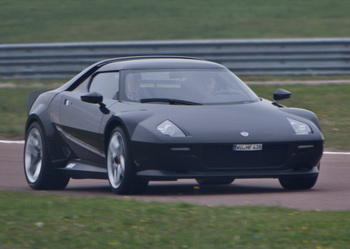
43 221
25 21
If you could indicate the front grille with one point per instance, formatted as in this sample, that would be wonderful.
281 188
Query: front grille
223 156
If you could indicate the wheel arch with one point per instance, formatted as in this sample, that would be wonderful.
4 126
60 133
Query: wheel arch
53 140
31 119
110 126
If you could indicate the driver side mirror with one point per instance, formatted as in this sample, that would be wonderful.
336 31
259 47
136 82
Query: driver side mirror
281 94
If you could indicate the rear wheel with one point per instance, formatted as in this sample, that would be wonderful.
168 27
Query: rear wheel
215 181
38 169
120 166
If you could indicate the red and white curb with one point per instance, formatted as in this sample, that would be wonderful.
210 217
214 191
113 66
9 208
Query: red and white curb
325 152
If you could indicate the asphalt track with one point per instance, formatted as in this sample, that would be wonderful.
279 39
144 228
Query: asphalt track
332 191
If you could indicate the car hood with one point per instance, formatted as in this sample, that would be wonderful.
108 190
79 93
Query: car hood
260 122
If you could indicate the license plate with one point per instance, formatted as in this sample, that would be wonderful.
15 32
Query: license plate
247 147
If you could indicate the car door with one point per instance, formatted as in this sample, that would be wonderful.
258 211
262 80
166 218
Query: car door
80 121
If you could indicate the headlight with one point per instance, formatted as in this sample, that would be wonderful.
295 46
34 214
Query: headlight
300 128
170 129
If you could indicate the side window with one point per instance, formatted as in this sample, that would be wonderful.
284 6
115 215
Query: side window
106 84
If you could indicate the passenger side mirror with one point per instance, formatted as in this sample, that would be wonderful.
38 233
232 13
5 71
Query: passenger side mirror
93 98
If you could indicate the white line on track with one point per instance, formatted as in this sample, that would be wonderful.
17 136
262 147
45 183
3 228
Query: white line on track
325 153
11 142
336 153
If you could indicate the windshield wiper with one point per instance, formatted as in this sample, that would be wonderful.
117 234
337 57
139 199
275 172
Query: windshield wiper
170 101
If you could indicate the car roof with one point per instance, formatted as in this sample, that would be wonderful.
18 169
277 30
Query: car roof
141 62
153 62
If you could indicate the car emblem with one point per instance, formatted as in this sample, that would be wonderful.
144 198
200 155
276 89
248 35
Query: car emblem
244 134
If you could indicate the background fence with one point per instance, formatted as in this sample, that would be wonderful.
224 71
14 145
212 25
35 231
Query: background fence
244 57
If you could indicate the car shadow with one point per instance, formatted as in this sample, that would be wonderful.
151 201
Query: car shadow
193 189
158 189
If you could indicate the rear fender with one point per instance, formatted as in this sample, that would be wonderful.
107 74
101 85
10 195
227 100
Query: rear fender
38 105
32 97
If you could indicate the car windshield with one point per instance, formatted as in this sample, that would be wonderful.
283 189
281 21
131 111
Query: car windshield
186 86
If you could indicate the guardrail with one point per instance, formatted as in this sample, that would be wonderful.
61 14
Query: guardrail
244 57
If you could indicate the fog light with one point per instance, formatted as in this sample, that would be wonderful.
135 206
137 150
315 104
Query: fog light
180 149
309 146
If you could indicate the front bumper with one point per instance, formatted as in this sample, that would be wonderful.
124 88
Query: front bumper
178 161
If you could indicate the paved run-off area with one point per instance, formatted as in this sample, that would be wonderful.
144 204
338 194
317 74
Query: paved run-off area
332 191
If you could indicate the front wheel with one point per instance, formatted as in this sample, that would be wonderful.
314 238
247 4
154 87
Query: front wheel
120 166
302 182
38 169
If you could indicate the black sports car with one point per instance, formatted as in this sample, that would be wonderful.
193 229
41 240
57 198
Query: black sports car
137 119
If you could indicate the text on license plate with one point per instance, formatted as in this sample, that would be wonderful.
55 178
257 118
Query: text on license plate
247 147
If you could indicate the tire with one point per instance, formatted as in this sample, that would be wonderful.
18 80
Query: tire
38 168
215 181
120 166
303 182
